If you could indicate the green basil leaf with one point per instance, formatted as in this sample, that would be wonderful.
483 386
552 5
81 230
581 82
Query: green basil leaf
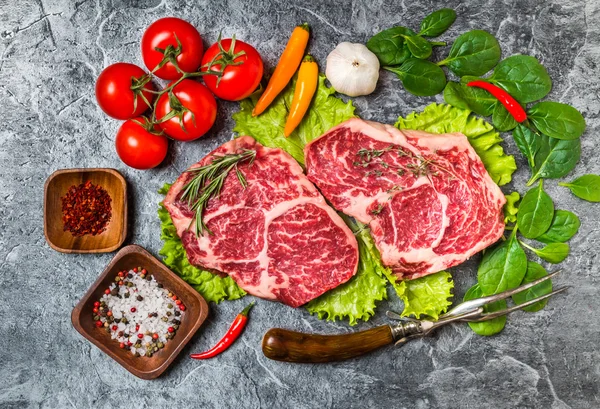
502 119
437 22
534 271
502 267
560 121
564 226
553 253
586 187
389 45
473 53
528 143
535 212
555 158
420 77
418 46
511 208
474 99
489 327
523 77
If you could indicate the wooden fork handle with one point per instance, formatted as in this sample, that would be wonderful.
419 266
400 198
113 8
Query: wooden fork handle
290 346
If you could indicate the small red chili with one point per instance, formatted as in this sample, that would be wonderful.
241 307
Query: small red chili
511 104
232 334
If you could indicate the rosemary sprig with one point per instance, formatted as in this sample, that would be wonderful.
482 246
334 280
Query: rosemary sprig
208 181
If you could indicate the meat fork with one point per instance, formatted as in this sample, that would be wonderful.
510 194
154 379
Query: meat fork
290 346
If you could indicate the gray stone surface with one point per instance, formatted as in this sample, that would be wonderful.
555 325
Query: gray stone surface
51 51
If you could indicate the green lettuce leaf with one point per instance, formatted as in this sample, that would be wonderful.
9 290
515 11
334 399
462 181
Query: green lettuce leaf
427 295
482 136
211 286
325 112
356 298
511 208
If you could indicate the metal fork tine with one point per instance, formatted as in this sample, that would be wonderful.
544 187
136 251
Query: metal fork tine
492 315
480 302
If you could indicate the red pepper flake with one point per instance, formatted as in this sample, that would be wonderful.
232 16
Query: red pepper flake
86 209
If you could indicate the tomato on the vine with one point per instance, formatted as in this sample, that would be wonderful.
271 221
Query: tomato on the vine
190 114
238 81
138 147
114 91
179 40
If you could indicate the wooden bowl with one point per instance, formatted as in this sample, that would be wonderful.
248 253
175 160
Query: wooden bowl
143 367
57 186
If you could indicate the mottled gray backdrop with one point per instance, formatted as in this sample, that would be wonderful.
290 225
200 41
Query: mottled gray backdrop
51 52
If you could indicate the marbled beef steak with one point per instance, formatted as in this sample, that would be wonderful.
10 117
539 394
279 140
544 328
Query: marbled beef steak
277 238
427 198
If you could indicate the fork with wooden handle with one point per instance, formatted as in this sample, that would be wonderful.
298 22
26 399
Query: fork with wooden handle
291 346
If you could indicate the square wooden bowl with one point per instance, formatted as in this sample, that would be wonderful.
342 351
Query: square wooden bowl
57 186
143 367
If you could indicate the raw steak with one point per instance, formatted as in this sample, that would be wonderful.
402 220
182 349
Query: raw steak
427 198
277 238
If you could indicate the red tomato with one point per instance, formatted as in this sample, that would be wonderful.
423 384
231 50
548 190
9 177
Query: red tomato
238 81
114 94
165 32
139 148
199 102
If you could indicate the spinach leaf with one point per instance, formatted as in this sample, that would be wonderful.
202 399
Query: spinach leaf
502 119
420 77
555 158
564 226
560 121
528 143
437 22
535 212
523 77
473 53
553 253
492 326
474 99
511 208
534 271
586 187
389 45
418 46
503 267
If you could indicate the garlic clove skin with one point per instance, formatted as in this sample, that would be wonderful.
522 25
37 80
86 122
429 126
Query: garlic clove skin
352 69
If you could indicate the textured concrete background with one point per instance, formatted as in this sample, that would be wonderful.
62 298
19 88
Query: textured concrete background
51 51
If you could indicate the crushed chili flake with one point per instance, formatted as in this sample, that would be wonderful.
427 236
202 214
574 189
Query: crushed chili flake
86 209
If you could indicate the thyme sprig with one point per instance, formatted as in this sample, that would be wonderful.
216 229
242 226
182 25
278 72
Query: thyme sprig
208 181
423 167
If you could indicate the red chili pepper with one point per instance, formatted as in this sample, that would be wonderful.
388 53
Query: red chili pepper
232 334
511 104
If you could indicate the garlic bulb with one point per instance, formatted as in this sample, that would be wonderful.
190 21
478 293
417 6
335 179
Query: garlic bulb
352 69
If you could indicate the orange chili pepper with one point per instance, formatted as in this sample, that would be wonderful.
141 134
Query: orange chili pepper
286 67
306 85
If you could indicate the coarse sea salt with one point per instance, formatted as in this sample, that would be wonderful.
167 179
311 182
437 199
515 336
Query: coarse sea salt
139 313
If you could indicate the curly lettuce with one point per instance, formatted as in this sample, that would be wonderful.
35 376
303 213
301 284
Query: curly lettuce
211 286
437 118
